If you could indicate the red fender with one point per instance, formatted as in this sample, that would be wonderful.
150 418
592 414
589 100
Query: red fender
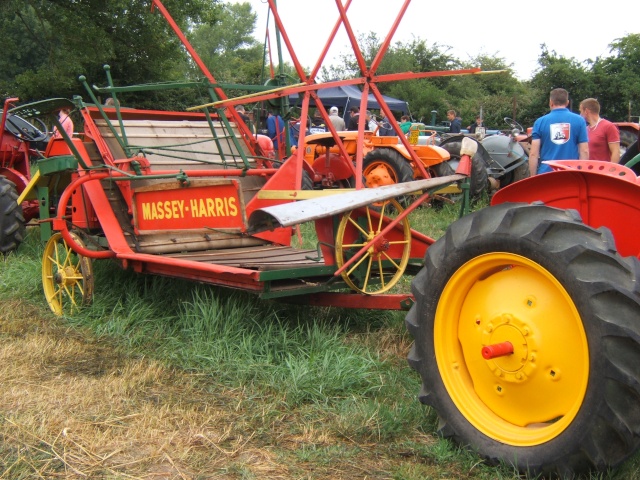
335 166
604 194
16 177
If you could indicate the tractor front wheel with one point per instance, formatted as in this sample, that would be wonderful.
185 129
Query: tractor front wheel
12 228
527 339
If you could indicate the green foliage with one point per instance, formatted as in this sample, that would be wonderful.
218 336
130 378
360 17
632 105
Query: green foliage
228 48
47 44
617 79
55 41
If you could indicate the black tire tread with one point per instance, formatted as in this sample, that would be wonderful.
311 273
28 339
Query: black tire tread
12 227
609 432
391 157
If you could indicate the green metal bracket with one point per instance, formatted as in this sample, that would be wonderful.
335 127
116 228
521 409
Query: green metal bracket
466 202
62 163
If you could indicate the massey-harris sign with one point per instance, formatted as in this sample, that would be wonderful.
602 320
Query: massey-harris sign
215 204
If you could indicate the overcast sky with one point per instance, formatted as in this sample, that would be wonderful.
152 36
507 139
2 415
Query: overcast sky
510 30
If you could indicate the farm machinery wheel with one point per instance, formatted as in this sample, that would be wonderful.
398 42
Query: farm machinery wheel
67 277
479 180
12 228
376 271
527 339
385 166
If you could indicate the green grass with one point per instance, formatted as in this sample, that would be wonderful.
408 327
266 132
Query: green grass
326 391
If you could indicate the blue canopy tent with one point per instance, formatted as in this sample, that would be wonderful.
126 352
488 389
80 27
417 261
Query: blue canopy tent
346 96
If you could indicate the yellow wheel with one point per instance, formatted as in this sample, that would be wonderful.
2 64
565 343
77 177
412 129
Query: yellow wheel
384 262
523 340
502 393
67 277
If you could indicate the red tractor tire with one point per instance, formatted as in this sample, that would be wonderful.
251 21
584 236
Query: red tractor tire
564 399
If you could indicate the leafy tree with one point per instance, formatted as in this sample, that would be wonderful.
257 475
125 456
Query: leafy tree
494 95
63 39
557 71
228 48
617 79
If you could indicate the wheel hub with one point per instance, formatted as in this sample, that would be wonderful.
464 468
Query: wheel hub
519 365
378 177
381 245
65 276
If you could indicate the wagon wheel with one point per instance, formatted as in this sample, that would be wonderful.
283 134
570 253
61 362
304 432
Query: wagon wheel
521 339
383 264
67 277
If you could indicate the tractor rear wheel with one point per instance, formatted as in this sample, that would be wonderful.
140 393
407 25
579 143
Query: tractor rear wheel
527 339
12 228
479 180
385 166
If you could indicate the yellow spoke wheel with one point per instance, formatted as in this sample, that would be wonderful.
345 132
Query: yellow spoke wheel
67 277
384 262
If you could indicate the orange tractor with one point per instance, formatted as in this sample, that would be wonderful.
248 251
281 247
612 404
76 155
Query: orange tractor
387 160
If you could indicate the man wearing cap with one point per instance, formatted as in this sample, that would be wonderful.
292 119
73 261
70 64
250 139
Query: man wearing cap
336 120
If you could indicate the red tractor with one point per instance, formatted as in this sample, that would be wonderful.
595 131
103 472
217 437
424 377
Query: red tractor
527 322
20 144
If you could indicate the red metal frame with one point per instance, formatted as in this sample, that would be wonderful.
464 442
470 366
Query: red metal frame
287 177
597 190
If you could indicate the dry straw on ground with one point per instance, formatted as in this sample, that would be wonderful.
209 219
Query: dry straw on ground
72 406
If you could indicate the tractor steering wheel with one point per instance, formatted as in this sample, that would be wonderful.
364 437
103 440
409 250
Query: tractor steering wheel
26 130
513 124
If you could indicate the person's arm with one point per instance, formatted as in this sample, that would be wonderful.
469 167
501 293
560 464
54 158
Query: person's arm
534 156
583 151
614 152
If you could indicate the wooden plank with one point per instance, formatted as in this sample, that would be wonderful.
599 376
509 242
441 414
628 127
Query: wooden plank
269 257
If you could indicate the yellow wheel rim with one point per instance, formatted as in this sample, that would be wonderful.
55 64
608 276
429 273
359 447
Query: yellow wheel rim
67 278
384 263
530 396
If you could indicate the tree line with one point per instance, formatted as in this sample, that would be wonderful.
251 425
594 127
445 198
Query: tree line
48 44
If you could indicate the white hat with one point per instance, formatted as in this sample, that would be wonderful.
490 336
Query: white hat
333 110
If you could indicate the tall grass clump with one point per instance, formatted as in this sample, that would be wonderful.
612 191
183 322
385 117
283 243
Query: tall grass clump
232 336
20 270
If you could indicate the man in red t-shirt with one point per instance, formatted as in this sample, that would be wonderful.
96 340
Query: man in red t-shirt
604 137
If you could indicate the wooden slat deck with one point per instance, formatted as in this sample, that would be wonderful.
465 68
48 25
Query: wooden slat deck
264 257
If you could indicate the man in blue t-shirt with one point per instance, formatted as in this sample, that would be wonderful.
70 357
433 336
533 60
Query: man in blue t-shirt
558 135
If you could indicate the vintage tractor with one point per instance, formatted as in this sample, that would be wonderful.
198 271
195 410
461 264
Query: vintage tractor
629 134
629 139
21 143
525 314
387 160
527 322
